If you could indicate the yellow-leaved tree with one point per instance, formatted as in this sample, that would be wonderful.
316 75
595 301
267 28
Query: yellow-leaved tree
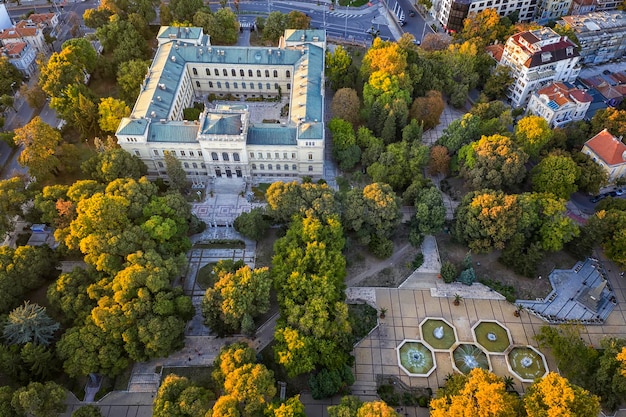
554 395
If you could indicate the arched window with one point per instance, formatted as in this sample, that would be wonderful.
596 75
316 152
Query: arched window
288 86
233 72
224 156
275 73
277 167
262 166
260 86
198 84
208 71
210 84
227 84
214 156
310 167
241 73
225 72
286 167
268 86
249 73
219 84
288 73
195 71
269 167
194 165
216 72
243 85
267 73
276 86
253 166
186 164
294 167
258 73
236 157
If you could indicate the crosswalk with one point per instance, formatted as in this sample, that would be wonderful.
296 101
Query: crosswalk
340 14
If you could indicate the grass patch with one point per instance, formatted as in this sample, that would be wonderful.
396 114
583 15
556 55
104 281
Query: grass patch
199 375
220 244
259 191
508 291
363 318
205 277
101 86
353 3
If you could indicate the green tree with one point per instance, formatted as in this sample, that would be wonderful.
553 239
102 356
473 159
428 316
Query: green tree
347 407
88 410
274 27
430 214
401 163
460 132
293 407
13 195
448 272
326 383
178 397
69 294
78 106
498 83
339 69
252 225
284 199
8 76
611 119
493 162
345 149
113 164
231 357
371 146
297 20
609 383
6 409
40 142
95 18
29 323
427 110
532 134
592 177
554 395
222 26
111 112
69 66
40 400
184 10
484 27
252 385
129 78
175 173
40 361
556 174
236 299
34 95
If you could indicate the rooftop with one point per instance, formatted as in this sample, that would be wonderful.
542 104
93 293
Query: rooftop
596 21
609 148
558 94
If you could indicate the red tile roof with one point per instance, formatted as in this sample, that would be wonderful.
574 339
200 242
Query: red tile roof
495 51
561 94
14 48
16 33
609 148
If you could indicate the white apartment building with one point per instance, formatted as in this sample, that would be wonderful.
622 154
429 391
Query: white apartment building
29 33
559 104
602 35
22 56
245 137
451 13
551 9
609 152
538 58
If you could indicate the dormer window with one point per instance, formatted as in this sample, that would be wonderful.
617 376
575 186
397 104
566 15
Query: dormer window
569 50
546 56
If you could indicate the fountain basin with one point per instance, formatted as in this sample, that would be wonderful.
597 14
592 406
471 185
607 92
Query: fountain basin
438 334
492 336
468 356
526 363
415 358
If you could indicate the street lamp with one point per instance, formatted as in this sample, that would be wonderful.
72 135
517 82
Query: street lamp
345 30
12 87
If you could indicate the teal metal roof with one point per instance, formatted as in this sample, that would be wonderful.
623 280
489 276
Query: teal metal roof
307 36
179 132
271 134
311 131
235 54
222 124
172 32
133 127
314 109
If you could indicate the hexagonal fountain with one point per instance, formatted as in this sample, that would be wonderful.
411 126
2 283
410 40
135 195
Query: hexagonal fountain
492 336
526 363
438 333
415 358
468 356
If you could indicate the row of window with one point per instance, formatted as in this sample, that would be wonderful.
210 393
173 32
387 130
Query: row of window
242 73
268 86
276 155
214 155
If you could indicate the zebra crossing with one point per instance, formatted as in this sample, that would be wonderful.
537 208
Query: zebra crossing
341 14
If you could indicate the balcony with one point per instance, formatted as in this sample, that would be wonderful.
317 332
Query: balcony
541 75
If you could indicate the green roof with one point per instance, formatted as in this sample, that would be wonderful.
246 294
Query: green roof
271 134
311 131
307 36
314 100
174 32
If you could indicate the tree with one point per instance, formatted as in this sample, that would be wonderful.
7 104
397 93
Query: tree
252 385
372 211
286 199
297 20
274 28
480 393
6 409
401 163
346 106
428 109
439 161
40 142
129 78
448 272
95 18
222 25
430 214
608 228
113 164
10 77
231 357
183 10
123 40
592 177
498 83
252 225
554 395
376 408
111 112
532 133
178 397
435 42
34 95
339 69
175 173
484 27
29 323
460 132
326 383
293 407
236 299
556 174
611 119
88 410
493 162
69 294
40 400
69 66
13 195
78 106
486 220
345 149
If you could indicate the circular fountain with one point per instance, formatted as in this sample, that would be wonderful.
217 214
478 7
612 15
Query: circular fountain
492 336
526 363
438 333
468 356
415 358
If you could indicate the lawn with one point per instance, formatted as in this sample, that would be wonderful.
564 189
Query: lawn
259 191
205 277
199 375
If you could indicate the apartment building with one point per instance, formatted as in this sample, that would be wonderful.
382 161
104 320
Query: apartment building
559 104
588 6
601 35
22 56
548 10
29 33
609 152
267 123
451 13
538 58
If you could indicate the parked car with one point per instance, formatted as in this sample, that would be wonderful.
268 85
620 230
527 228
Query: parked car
619 191
597 198
611 194
411 13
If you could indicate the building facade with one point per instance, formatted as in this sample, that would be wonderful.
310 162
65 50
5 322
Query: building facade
22 56
31 34
601 35
538 58
559 104
451 13
267 123
551 9
609 152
